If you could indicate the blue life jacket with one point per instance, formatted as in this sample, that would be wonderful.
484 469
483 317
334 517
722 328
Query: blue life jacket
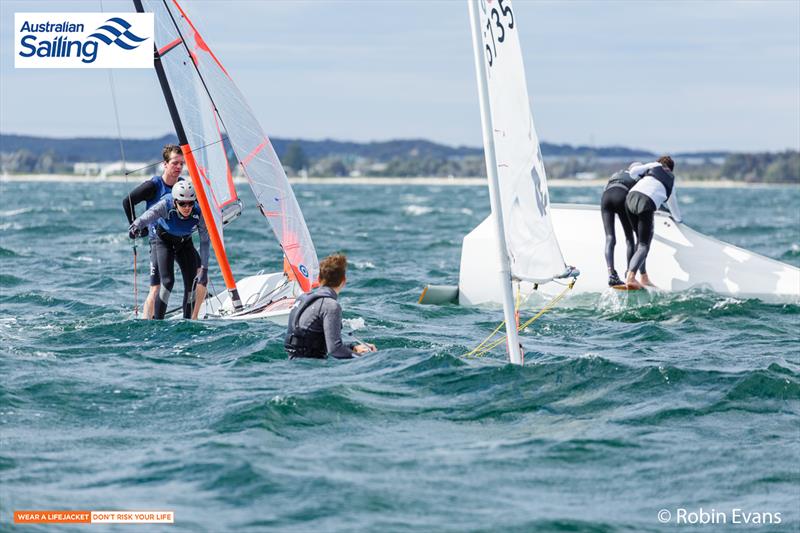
173 225
161 190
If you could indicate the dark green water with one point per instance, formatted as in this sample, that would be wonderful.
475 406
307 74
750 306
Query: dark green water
686 401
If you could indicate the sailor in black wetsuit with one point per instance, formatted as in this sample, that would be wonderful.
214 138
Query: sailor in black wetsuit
656 187
175 218
150 192
315 323
612 205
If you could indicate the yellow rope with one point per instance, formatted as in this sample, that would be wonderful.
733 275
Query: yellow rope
480 350
487 339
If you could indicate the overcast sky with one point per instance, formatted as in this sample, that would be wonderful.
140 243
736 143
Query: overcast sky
664 76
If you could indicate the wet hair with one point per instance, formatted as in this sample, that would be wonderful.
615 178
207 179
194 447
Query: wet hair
170 149
332 270
667 161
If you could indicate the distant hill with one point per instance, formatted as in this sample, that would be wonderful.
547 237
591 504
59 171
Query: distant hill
93 149
396 158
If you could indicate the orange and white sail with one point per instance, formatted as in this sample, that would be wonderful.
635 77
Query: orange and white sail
215 116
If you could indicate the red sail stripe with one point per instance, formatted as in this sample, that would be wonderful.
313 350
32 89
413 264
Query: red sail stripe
255 151
167 47
199 40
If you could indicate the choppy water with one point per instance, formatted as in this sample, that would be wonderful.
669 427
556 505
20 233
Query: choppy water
624 409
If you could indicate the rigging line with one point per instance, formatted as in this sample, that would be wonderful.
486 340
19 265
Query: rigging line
478 352
125 173
193 150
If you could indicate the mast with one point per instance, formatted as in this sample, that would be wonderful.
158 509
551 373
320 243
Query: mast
512 336
191 165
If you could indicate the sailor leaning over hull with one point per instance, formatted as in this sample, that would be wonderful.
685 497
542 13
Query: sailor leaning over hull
612 206
654 188
175 218
315 322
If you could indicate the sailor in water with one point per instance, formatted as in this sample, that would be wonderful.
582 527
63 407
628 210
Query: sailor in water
150 192
655 186
612 206
174 218
315 323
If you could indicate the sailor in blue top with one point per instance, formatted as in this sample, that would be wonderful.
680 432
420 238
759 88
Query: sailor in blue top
150 192
174 219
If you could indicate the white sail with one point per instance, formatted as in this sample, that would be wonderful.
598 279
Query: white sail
532 247
200 121
209 103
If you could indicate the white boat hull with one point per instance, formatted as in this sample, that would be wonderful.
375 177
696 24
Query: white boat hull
680 259
265 297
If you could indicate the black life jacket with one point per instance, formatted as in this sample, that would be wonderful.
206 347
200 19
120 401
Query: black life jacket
663 175
301 342
621 178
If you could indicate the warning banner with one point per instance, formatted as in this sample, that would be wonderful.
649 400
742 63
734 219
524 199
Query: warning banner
94 517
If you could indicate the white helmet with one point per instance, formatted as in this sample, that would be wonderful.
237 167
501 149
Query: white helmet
183 191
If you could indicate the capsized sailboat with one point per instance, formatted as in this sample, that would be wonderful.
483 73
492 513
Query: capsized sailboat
209 112
680 258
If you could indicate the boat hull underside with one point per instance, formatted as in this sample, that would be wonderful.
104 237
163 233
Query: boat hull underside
680 259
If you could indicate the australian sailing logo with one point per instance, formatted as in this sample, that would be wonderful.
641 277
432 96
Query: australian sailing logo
83 40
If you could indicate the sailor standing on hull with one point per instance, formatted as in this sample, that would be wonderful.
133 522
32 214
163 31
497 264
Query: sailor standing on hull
315 323
150 192
612 206
654 188
175 218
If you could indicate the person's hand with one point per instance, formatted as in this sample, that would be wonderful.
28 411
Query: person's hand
134 231
364 348
202 276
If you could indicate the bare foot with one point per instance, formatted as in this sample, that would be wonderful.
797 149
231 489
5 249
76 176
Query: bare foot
646 280
630 281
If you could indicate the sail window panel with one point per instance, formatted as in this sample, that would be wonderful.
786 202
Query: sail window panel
255 154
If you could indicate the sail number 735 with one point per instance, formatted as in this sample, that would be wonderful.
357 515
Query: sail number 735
498 20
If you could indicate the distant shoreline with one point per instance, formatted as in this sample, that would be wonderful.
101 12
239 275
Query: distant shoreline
437 181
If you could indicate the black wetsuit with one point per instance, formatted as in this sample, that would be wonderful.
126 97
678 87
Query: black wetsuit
612 205
657 183
315 327
150 192
168 250
173 242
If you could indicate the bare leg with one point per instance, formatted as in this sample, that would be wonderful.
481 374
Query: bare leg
147 308
199 298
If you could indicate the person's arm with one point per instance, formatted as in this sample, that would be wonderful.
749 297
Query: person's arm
205 242
637 171
672 206
160 210
144 192
332 327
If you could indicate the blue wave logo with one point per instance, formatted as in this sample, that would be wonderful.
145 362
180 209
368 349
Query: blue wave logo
303 270
118 33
